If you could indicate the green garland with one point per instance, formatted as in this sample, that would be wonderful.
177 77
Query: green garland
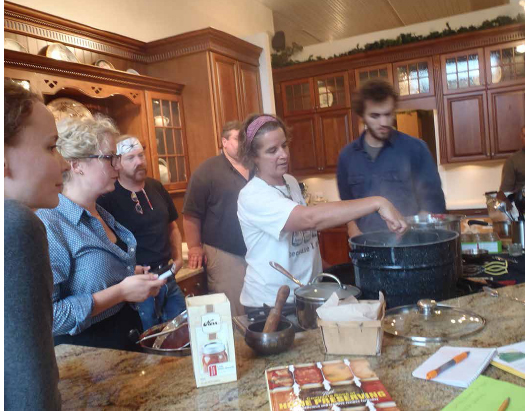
284 58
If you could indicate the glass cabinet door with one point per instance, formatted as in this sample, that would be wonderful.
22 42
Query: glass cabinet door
463 71
331 91
367 73
169 152
413 78
506 63
298 96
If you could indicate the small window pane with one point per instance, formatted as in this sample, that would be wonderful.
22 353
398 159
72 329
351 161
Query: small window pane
403 88
402 73
296 90
289 102
474 77
321 83
172 165
519 58
170 147
288 91
520 70
451 66
181 169
178 141
341 98
340 82
374 73
414 87
496 74
383 73
159 135
463 79
330 84
462 63
507 56
166 112
412 71
473 63
423 70
424 86
363 76
298 103
306 102
164 171
156 108
175 114
452 82
506 73
495 58
305 89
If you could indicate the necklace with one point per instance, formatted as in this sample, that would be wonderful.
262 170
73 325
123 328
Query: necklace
288 194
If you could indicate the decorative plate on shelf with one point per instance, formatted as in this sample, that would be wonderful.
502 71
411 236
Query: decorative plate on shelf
67 108
11 44
58 51
132 71
104 64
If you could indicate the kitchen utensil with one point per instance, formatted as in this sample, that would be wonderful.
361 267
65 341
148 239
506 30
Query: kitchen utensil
170 326
501 228
515 250
275 313
176 342
502 198
518 232
430 322
495 293
421 265
496 268
311 296
267 343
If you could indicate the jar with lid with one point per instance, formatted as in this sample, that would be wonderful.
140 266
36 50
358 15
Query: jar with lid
213 353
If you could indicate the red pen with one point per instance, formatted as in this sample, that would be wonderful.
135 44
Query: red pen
456 360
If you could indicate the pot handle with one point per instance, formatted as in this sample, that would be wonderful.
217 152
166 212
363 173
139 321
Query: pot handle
477 222
333 277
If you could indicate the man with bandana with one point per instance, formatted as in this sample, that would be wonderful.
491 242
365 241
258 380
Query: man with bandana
143 206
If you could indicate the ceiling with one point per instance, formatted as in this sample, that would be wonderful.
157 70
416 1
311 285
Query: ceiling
309 22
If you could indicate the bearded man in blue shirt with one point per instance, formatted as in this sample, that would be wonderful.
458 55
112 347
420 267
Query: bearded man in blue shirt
385 162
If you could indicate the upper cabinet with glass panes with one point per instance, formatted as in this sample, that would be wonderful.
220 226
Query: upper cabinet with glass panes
505 64
331 91
383 71
298 96
170 164
414 78
463 71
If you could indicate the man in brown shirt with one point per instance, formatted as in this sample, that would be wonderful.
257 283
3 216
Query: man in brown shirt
513 176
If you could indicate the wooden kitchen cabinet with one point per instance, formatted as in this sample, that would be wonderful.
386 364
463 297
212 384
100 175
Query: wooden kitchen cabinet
298 97
463 71
250 89
505 65
317 140
467 136
383 71
506 118
333 244
194 285
414 78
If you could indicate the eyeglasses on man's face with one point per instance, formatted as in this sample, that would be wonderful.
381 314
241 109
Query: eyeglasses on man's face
114 159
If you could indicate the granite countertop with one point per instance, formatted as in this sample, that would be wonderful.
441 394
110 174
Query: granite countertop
103 378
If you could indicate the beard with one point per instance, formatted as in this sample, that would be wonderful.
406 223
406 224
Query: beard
377 136
138 175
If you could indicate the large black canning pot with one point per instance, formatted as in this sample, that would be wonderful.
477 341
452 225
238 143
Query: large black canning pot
420 264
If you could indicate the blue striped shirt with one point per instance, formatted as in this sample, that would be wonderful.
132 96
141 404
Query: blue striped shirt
84 261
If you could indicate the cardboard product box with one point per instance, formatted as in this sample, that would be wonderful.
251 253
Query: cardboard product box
211 337
353 337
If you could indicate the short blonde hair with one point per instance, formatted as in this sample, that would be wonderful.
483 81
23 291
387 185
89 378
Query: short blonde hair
83 137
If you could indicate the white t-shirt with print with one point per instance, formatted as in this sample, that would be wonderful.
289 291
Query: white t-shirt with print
263 211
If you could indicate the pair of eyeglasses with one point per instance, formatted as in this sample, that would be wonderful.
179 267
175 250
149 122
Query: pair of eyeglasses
114 159
138 207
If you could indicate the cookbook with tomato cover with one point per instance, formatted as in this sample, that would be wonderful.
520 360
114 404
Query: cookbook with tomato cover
328 385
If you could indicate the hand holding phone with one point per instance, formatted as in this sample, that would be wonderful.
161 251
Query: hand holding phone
165 271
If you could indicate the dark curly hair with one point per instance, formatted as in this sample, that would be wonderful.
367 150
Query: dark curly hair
248 151
376 90
18 106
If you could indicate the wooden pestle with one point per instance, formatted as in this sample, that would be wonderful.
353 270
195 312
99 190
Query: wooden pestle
275 313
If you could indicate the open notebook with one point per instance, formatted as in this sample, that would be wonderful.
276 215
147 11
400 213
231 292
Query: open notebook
462 374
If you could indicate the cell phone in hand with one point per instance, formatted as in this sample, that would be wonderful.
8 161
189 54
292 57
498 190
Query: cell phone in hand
164 271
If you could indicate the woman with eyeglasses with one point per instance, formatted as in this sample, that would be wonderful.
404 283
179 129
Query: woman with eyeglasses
275 222
93 256
32 179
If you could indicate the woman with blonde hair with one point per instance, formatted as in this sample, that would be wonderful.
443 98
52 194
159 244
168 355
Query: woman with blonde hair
32 179
92 255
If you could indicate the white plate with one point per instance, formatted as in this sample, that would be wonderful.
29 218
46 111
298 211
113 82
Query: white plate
58 51
67 108
10 44
104 64
131 71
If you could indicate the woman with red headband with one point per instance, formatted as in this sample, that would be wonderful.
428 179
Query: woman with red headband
275 222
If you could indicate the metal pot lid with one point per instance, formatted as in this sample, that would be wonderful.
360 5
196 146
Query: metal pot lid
323 291
428 321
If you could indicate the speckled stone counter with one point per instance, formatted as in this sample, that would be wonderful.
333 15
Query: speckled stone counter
93 378
186 272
